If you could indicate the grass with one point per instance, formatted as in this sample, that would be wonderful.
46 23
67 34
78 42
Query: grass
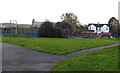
119 56
59 46
99 60
13 35
0 39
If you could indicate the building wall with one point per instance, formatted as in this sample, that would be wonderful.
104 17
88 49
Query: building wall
99 30
105 29
36 23
92 27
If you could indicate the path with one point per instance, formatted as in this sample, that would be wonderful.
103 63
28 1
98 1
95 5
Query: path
0 57
16 58
87 50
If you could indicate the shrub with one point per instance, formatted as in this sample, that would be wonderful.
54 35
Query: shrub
48 30
63 25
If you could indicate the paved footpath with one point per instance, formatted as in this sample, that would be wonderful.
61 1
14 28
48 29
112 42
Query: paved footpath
0 57
16 58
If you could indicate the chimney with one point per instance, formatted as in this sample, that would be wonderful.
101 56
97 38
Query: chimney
33 22
98 23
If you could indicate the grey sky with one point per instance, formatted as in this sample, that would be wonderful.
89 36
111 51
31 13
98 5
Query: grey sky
88 11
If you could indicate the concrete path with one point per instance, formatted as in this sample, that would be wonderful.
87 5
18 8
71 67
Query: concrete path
0 57
87 50
16 58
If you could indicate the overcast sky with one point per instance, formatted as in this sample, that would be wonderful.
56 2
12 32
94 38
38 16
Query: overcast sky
88 11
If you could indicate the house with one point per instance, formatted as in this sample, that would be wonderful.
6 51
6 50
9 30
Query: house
36 23
98 28
23 25
7 25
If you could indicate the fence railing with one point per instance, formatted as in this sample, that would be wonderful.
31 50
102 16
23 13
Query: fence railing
33 32
19 32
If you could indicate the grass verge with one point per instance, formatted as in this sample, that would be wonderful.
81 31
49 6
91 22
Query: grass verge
59 46
99 60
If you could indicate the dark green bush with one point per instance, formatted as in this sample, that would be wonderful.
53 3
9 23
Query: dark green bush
48 30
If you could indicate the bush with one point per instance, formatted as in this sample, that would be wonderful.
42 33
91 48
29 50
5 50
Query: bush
63 25
48 30
60 33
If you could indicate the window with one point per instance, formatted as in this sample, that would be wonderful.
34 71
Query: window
99 28
106 28
90 28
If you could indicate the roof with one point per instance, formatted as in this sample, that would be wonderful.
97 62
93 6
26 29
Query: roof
4 25
98 25
23 25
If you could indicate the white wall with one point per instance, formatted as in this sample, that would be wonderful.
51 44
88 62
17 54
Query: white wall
99 30
36 23
103 28
92 27
0 55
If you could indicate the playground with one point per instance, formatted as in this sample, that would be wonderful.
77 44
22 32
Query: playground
83 35
16 30
91 35
32 31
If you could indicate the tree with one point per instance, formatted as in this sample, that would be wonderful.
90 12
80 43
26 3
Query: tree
111 22
114 26
48 30
70 18
63 25
83 28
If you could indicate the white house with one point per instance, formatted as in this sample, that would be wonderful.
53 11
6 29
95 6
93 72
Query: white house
98 28
36 23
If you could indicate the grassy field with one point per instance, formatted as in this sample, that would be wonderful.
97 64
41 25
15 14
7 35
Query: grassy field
59 46
0 39
99 60
119 57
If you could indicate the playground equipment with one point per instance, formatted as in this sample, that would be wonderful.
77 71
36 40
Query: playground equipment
100 36
89 35
15 29
16 25
8 29
107 35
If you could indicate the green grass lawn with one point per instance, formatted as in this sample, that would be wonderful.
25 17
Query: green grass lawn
59 46
99 60
0 39
119 58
